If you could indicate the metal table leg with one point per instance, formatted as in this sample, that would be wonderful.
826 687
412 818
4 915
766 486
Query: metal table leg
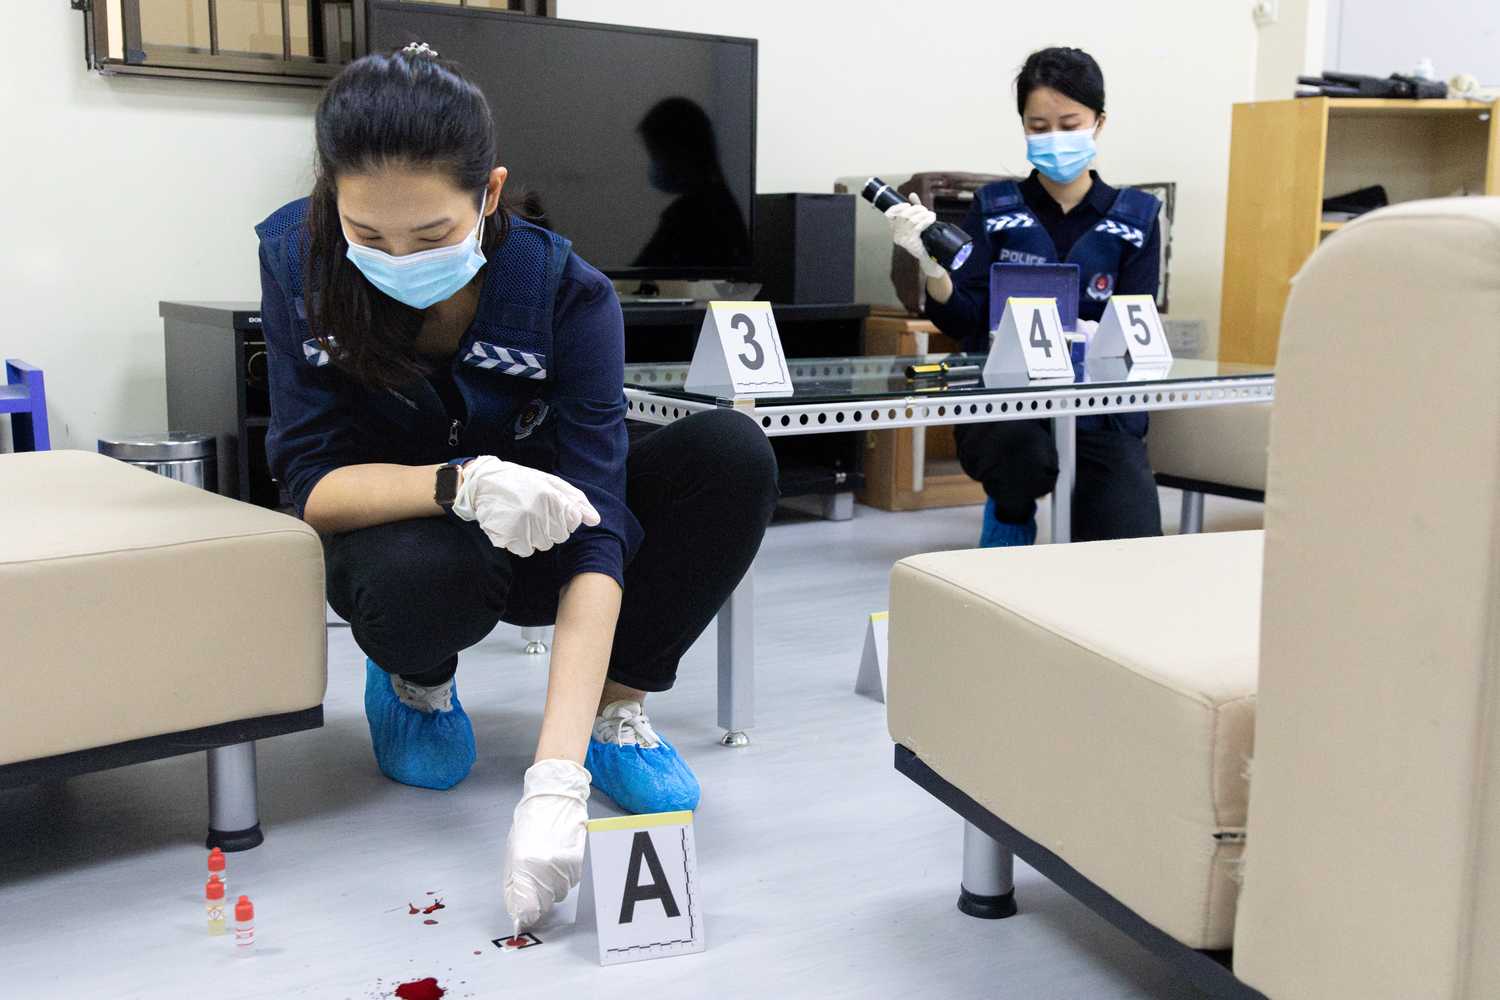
1191 522
989 886
1065 432
737 662
233 820
535 639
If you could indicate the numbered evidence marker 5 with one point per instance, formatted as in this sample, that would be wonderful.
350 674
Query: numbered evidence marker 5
739 349
1030 340
1131 327
640 887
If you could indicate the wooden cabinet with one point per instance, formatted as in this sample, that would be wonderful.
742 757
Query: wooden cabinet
1287 156
890 457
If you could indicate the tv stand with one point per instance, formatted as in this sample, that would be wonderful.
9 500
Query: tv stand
825 468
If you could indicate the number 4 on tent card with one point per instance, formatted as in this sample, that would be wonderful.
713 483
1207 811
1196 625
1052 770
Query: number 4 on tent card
640 887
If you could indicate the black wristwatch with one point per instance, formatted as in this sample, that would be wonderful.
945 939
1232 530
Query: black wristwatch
446 491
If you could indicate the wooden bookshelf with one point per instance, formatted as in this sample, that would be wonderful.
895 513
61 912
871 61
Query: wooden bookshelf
1287 156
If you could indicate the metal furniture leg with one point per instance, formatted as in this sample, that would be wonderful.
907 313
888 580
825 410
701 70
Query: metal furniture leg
1191 522
536 640
838 506
737 662
989 886
233 821
1065 433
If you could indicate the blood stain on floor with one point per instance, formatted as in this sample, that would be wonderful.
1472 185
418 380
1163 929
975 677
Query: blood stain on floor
429 921
421 989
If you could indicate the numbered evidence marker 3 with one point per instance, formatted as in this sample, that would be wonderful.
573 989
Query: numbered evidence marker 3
739 349
640 887
1132 328
1030 341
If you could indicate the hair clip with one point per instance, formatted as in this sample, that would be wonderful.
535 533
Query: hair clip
419 49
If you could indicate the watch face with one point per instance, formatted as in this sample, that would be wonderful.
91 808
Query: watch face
447 485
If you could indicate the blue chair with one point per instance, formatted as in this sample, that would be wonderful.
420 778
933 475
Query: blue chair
24 398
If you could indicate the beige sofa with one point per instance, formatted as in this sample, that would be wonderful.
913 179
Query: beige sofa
1097 708
1211 450
143 618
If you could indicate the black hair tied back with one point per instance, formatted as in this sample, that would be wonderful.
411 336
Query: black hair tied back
1071 72
408 110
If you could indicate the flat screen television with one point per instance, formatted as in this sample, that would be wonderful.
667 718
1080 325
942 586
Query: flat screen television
638 145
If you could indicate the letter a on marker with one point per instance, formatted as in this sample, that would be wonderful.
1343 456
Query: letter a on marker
642 849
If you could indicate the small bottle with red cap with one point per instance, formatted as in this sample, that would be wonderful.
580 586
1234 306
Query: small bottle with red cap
218 867
244 925
213 895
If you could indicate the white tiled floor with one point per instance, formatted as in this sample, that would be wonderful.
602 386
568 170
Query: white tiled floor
826 873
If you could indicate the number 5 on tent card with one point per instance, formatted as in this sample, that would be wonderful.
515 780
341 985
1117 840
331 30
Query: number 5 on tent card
1131 327
739 350
640 887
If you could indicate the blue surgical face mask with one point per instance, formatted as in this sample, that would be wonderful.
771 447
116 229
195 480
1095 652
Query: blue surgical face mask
422 278
1061 156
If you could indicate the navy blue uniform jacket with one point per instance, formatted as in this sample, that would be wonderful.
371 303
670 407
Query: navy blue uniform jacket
540 369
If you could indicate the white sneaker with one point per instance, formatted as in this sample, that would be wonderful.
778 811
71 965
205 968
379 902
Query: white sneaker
423 699
624 723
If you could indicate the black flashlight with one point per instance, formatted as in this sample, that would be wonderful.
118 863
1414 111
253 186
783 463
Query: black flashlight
948 245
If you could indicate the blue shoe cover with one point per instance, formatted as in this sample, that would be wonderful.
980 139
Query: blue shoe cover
425 749
641 779
997 534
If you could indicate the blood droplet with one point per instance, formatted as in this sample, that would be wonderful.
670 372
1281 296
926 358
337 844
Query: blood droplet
421 989
429 921
432 892
437 904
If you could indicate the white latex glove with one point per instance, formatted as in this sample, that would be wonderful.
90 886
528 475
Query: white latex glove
522 510
544 852
907 223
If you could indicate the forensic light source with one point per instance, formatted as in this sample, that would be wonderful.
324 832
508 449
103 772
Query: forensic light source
948 245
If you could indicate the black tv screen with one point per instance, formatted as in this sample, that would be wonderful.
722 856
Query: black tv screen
639 145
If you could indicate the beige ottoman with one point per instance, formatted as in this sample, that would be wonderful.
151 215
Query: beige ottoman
1097 701
152 619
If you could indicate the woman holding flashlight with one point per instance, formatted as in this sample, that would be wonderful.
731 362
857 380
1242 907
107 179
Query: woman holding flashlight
1062 212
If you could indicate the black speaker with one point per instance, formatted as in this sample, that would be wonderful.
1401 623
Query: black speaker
804 247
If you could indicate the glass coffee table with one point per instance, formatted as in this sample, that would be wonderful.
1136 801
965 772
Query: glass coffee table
874 393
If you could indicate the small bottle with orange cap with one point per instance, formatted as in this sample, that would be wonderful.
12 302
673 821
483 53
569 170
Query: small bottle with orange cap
244 925
213 895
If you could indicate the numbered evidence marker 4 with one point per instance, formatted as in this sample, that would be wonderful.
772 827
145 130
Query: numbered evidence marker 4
1132 328
739 349
1030 341
640 887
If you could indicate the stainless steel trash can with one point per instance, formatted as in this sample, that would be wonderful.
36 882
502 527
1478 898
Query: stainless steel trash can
187 458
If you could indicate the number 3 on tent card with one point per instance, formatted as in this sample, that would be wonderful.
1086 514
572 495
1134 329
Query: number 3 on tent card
739 349
1131 326
1030 341
640 887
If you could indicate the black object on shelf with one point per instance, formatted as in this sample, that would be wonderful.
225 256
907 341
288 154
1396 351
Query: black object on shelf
1393 87
216 384
1357 203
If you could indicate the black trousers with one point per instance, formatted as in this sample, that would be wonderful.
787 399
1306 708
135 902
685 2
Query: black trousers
417 592
1114 493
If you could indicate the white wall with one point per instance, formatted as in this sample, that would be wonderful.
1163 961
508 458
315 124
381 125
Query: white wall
120 192
857 86
1378 37
1291 47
